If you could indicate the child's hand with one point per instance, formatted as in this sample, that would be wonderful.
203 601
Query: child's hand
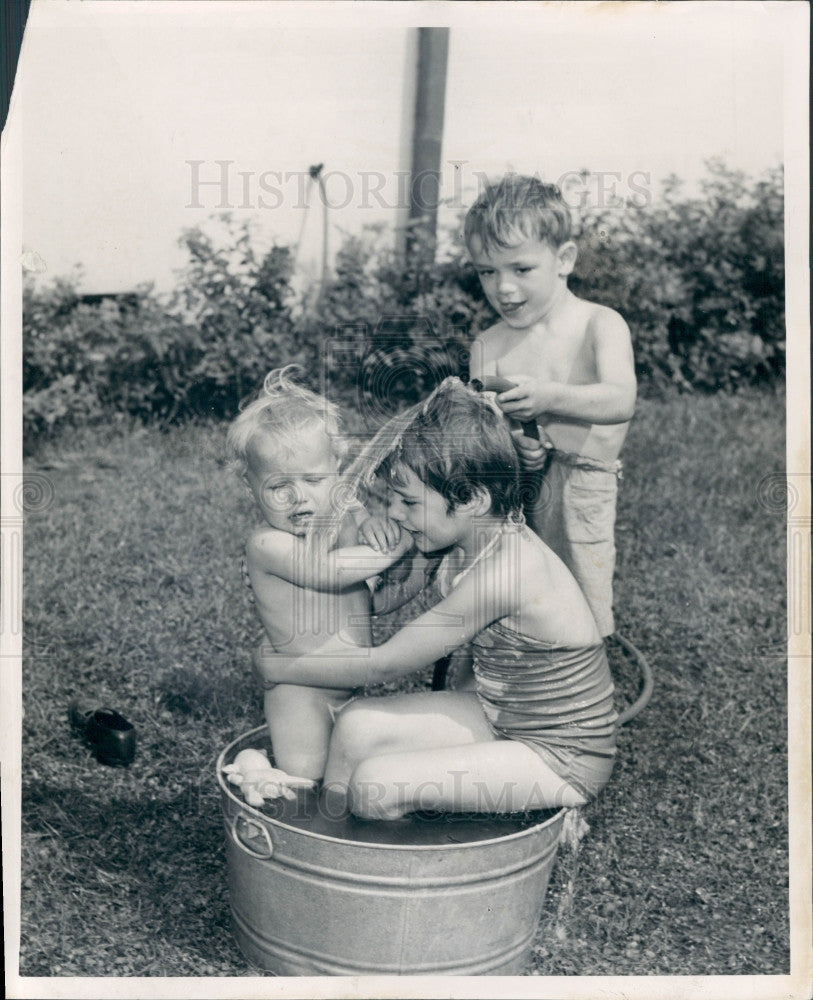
528 400
380 533
532 454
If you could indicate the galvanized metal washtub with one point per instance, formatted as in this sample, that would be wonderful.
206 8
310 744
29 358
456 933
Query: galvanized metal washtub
304 903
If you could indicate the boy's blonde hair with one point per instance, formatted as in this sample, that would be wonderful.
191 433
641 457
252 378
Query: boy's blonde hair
283 410
516 208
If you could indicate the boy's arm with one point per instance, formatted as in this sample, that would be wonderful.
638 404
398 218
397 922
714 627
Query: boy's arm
533 453
609 400
288 557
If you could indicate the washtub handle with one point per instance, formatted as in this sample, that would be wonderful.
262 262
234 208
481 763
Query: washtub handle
240 837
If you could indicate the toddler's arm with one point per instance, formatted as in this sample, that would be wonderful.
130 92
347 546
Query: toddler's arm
289 557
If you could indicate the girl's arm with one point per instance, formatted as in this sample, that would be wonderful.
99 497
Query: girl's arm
288 557
475 602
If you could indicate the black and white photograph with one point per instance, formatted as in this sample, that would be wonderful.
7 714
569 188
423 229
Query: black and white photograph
406 499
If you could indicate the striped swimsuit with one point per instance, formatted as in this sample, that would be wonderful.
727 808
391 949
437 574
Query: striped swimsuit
557 700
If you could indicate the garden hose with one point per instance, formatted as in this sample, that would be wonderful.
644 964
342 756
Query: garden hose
493 383
647 680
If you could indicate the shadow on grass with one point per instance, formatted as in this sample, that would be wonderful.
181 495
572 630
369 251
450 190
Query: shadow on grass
188 691
151 880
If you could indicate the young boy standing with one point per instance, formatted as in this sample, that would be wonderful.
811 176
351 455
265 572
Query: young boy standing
573 367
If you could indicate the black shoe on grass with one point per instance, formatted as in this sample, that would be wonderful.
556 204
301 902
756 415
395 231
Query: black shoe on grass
111 735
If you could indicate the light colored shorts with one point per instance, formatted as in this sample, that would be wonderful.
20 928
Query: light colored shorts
574 514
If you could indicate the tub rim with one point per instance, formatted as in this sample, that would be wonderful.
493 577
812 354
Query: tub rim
243 805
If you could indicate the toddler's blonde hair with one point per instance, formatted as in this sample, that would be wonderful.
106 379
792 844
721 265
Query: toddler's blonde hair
283 411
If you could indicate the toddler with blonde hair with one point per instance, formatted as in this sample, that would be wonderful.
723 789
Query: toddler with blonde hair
288 446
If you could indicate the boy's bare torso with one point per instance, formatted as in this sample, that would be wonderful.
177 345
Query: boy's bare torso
563 351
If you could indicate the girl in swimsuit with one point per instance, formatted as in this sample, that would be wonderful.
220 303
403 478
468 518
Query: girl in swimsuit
538 730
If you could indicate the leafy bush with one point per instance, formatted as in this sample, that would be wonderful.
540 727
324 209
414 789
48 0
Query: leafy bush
237 304
83 361
400 326
228 322
700 281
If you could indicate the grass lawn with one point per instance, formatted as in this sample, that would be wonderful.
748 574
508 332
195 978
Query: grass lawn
133 597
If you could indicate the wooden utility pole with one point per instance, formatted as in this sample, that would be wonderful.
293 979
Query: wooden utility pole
427 138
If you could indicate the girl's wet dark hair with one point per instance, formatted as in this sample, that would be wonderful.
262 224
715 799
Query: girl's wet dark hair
459 444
